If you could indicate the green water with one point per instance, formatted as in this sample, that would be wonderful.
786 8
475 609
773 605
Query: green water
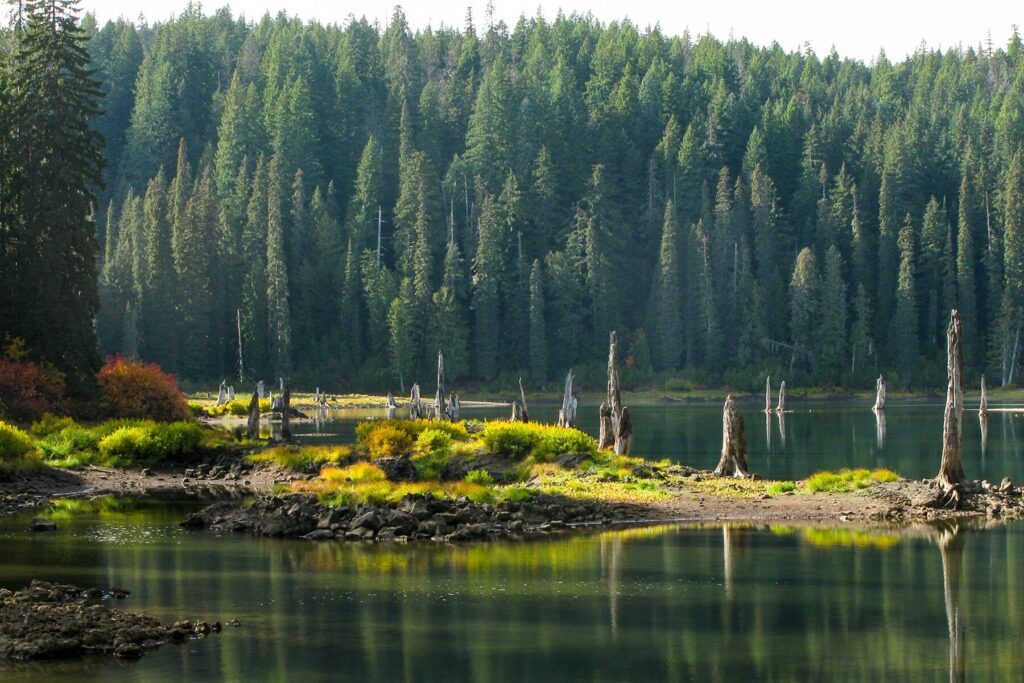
812 437
652 604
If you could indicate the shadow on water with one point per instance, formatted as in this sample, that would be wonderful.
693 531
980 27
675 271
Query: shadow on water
673 602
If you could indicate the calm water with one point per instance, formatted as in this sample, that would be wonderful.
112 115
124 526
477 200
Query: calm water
666 603
814 436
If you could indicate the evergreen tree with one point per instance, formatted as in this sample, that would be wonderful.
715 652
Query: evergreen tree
448 333
830 357
487 272
804 307
402 317
538 328
669 345
903 335
965 278
279 331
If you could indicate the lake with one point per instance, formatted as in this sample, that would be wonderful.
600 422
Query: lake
813 436
671 602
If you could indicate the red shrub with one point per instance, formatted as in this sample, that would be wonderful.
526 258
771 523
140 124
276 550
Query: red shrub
130 389
27 390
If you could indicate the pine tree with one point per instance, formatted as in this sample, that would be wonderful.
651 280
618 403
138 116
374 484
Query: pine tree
448 333
668 289
254 321
538 328
931 274
487 272
197 226
830 356
279 331
51 164
965 278
888 257
903 335
861 346
804 298
401 322
157 314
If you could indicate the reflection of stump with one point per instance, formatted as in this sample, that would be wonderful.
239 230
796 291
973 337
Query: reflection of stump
286 413
734 443
880 428
952 547
951 477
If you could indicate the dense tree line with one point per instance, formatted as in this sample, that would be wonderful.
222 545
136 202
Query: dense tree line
348 200
51 163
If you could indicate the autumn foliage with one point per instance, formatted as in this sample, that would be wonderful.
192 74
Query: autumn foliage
27 389
131 389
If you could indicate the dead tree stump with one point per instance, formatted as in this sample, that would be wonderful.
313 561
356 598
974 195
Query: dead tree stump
416 410
231 393
781 408
614 401
440 410
522 401
567 413
261 389
454 405
734 443
222 396
517 412
951 477
391 406
286 414
983 405
606 433
879 394
624 435
768 394
253 424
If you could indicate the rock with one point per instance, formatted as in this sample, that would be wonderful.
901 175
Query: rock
40 524
320 535
146 472
467 532
330 519
397 469
368 520
128 651
1006 486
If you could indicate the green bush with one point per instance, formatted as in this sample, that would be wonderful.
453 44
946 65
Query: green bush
388 441
412 428
780 487
542 442
431 440
430 465
150 443
482 477
50 424
70 446
14 443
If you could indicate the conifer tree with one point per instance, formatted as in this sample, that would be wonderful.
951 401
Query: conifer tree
965 274
279 331
669 345
804 297
903 335
538 328
487 272
830 356
448 333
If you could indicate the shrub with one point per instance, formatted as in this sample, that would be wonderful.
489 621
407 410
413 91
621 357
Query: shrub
431 440
150 443
359 472
481 477
413 428
846 480
431 464
14 443
71 446
51 424
237 407
29 390
543 442
388 441
299 457
140 390
780 487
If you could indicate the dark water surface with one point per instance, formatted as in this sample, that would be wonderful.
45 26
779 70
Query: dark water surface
813 436
666 603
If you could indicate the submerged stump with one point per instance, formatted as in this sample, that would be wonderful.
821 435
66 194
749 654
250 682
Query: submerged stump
253 424
734 443
286 413
416 409
879 394
781 408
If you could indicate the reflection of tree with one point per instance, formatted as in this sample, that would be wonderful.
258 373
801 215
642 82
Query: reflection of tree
951 545
880 427
983 422
611 564
782 427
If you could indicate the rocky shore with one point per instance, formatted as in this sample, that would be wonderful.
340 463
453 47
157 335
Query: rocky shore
48 621
416 517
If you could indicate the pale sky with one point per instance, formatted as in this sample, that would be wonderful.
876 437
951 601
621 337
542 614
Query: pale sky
856 29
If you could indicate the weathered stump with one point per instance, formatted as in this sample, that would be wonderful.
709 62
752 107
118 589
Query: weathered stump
261 389
781 408
624 435
951 477
454 406
517 412
768 394
231 393
416 409
522 401
286 413
614 400
440 410
879 394
391 406
567 413
253 424
606 431
983 405
733 462
222 396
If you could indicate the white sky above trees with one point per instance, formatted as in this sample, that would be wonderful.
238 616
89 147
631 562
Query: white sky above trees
856 29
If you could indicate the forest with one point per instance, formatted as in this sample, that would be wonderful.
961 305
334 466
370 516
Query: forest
337 203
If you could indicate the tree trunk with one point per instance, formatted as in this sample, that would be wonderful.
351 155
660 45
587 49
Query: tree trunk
440 410
781 408
416 410
253 425
734 443
951 472
614 402
261 389
222 396
624 435
522 401
983 405
231 394
517 412
567 414
606 431
879 394
286 413
768 394
453 406
391 406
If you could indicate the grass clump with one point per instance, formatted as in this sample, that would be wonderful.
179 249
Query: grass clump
50 424
847 480
17 451
481 477
388 441
780 487
358 473
301 457
542 442
149 443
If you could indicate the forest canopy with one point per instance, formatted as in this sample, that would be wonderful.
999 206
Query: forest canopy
348 200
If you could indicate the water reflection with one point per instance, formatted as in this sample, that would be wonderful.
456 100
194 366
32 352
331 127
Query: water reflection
678 602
